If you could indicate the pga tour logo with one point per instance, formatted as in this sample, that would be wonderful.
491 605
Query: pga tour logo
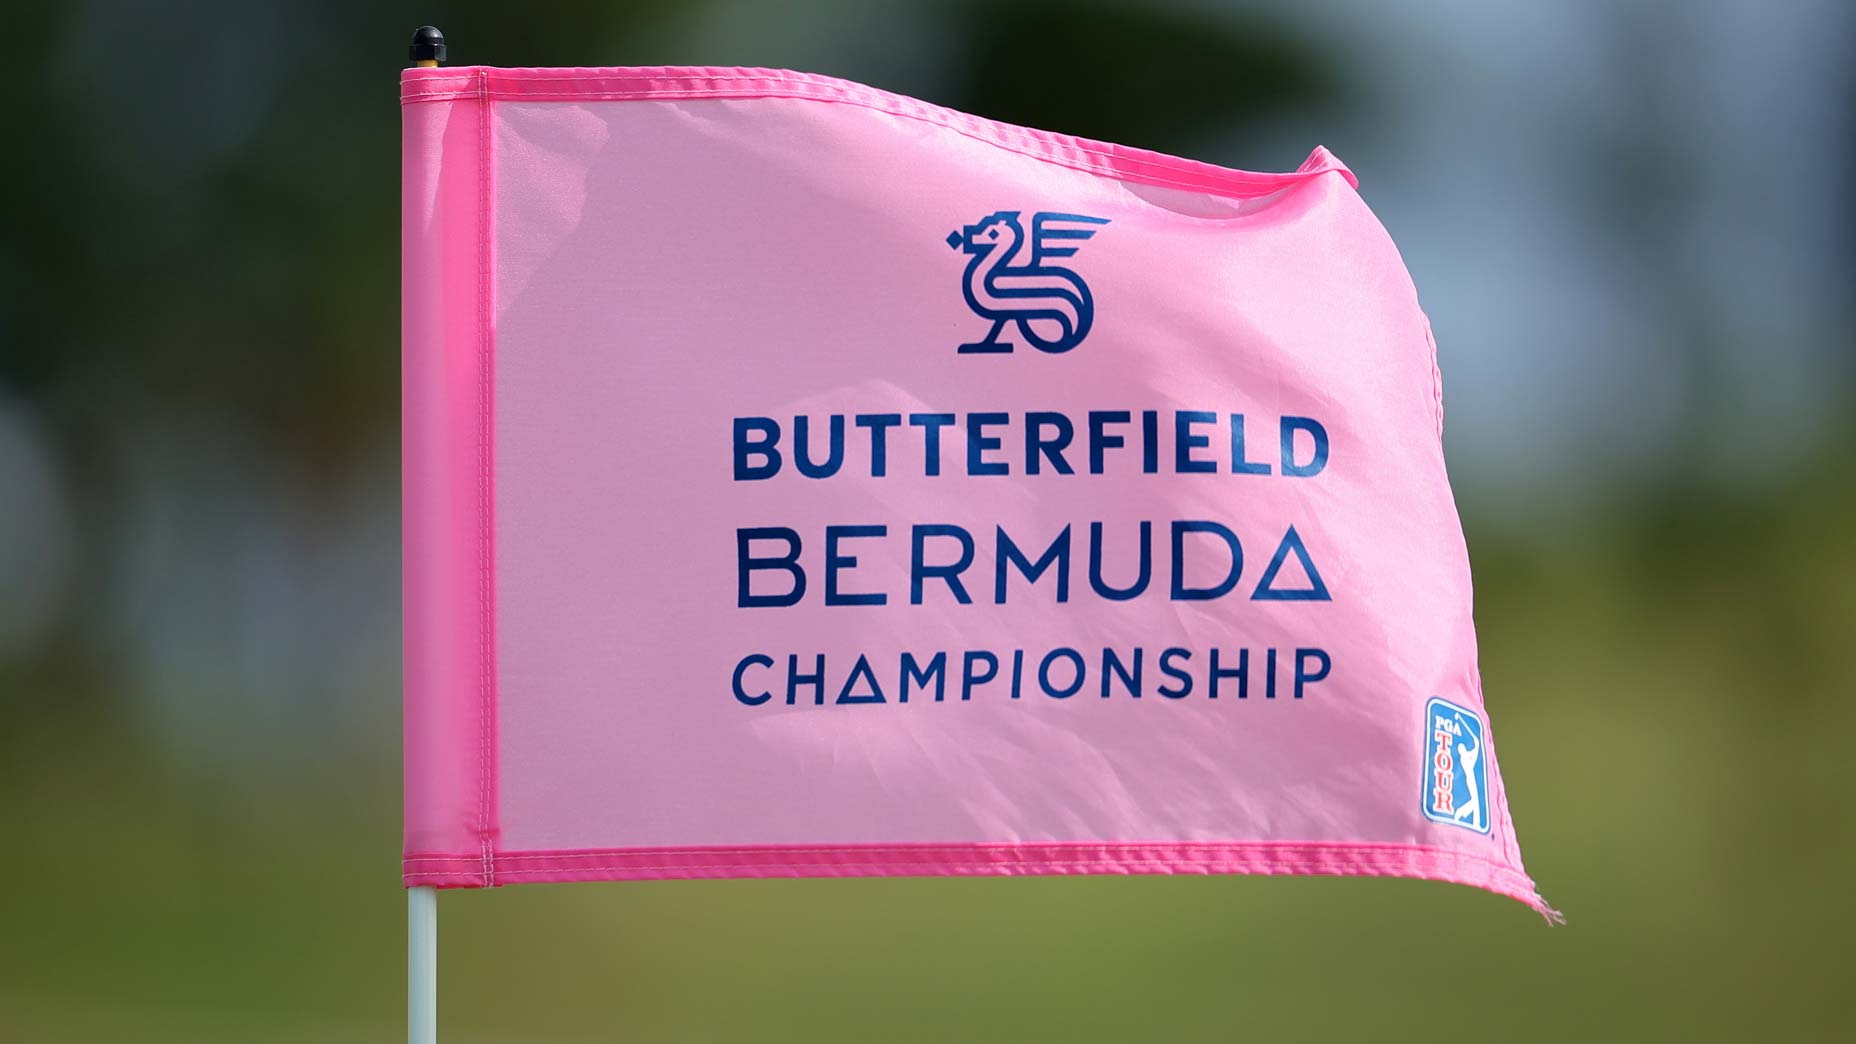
1455 772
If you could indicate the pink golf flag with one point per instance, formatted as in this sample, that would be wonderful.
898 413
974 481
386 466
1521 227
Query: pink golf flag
804 480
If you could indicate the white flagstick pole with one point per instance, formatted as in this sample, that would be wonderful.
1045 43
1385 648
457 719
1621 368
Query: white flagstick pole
421 966
428 49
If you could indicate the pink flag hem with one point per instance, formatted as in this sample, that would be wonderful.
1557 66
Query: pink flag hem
448 489
670 83
978 859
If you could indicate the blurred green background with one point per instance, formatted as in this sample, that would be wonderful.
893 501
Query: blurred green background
1631 224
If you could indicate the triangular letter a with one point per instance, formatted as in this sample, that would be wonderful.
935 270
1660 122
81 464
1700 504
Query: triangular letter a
1267 592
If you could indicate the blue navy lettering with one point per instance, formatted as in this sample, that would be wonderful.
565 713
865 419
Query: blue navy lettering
1053 674
1037 442
1031 562
1205 561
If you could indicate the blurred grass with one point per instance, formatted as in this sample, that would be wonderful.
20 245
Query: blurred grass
1670 691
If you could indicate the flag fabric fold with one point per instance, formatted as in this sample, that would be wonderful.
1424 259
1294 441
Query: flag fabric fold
804 480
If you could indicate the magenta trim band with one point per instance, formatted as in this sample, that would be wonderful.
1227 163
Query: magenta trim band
486 325
448 479
679 83
982 859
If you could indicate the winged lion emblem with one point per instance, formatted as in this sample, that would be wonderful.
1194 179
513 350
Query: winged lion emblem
1011 281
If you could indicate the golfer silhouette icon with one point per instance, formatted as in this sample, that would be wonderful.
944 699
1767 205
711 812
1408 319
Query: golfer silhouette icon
1470 811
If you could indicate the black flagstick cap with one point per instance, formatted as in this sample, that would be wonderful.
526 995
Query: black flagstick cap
428 45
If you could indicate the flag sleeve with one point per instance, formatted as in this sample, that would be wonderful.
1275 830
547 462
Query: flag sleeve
446 488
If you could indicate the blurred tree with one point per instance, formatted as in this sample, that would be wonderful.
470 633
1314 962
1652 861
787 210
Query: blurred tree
1157 76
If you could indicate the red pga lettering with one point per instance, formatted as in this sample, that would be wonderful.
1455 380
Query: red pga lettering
1444 779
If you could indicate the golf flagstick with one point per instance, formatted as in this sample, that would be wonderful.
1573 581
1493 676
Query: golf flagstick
422 965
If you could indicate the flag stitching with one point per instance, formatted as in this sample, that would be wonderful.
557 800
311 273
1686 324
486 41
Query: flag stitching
852 94
1376 860
486 624
1084 165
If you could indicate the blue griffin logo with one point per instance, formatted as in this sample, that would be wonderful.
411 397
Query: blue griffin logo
1009 282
